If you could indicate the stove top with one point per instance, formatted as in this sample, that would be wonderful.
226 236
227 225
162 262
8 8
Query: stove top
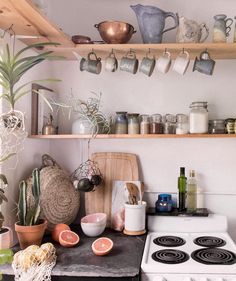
189 257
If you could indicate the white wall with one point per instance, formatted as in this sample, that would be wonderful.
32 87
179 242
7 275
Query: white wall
30 157
160 159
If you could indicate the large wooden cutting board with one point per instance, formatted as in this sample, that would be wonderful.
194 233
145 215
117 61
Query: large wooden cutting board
113 166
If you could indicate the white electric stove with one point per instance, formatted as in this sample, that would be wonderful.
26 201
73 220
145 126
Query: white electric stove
188 249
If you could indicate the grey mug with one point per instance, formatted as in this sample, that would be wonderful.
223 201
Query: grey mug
205 64
129 63
147 65
92 65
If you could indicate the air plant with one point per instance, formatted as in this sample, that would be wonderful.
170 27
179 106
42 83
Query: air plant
90 110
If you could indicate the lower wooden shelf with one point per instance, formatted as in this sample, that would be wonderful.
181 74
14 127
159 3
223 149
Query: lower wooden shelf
126 136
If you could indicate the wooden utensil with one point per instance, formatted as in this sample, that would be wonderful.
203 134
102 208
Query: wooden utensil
113 166
133 193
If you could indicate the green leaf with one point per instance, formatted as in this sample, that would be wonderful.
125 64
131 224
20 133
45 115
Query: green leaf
22 204
7 157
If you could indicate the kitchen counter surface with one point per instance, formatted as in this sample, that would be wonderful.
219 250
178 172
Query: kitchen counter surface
123 261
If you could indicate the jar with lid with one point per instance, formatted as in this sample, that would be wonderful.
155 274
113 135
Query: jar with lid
144 124
164 203
169 124
182 126
230 126
198 118
217 126
121 123
133 123
156 126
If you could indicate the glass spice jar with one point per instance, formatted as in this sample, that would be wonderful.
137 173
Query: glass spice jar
121 123
169 124
182 125
230 126
133 123
156 126
217 126
144 124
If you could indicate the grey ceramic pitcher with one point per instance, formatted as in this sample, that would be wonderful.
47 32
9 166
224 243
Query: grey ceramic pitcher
151 22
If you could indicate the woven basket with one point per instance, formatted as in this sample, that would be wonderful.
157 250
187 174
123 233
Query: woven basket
59 201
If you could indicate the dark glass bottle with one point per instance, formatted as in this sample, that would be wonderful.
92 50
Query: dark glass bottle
182 182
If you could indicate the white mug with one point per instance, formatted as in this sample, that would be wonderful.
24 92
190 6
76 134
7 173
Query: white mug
164 62
111 63
181 63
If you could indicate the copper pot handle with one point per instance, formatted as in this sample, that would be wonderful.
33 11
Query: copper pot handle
134 31
96 25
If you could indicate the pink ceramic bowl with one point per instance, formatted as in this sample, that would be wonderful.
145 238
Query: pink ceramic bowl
94 224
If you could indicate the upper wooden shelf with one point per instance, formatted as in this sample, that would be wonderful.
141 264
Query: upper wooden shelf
28 20
126 136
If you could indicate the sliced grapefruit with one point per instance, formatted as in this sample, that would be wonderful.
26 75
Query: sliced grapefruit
68 238
102 246
58 228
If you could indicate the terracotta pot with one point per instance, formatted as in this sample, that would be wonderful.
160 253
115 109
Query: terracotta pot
30 235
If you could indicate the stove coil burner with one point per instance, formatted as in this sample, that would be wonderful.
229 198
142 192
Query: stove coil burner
209 241
170 256
214 256
169 241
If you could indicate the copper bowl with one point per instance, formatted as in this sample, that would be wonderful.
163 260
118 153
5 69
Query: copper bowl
115 32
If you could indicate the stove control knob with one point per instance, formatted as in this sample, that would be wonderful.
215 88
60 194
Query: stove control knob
188 279
159 278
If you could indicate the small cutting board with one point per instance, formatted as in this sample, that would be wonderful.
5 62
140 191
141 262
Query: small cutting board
113 166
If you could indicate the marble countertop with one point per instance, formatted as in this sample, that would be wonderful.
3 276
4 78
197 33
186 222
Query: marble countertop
123 261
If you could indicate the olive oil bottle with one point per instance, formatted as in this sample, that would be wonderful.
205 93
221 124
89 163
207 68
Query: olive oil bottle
182 182
191 192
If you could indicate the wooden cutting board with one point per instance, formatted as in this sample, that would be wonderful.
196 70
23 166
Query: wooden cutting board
113 166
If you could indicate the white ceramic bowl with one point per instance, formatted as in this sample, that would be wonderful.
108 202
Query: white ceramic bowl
94 224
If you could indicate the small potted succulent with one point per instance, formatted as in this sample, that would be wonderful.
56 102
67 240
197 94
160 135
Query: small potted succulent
30 228
5 232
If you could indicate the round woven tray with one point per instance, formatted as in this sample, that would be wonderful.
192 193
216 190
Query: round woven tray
59 201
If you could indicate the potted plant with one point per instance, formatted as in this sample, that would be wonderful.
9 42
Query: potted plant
5 232
30 228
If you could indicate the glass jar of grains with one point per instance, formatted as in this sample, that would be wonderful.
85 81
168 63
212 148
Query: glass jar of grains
156 126
182 126
144 124
230 125
121 123
217 126
198 118
169 124
133 123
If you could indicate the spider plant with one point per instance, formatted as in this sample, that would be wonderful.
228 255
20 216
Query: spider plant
14 66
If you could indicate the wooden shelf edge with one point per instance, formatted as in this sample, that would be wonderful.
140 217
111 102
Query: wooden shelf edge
120 136
216 50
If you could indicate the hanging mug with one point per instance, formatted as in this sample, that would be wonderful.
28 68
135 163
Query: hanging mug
205 64
147 64
129 62
92 65
111 62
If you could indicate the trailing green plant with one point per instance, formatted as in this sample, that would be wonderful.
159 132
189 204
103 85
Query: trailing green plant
3 197
29 216
14 66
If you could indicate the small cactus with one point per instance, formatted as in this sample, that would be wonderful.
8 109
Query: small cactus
30 216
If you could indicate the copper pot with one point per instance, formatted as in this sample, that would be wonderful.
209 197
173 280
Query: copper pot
115 32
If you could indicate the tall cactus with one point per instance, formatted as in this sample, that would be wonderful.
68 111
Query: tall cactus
22 204
29 216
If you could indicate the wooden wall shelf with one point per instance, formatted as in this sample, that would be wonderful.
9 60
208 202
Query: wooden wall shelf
28 20
126 136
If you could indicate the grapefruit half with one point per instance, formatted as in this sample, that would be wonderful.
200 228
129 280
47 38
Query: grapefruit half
58 228
102 246
68 238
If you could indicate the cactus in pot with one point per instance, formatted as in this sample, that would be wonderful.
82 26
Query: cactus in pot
29 221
